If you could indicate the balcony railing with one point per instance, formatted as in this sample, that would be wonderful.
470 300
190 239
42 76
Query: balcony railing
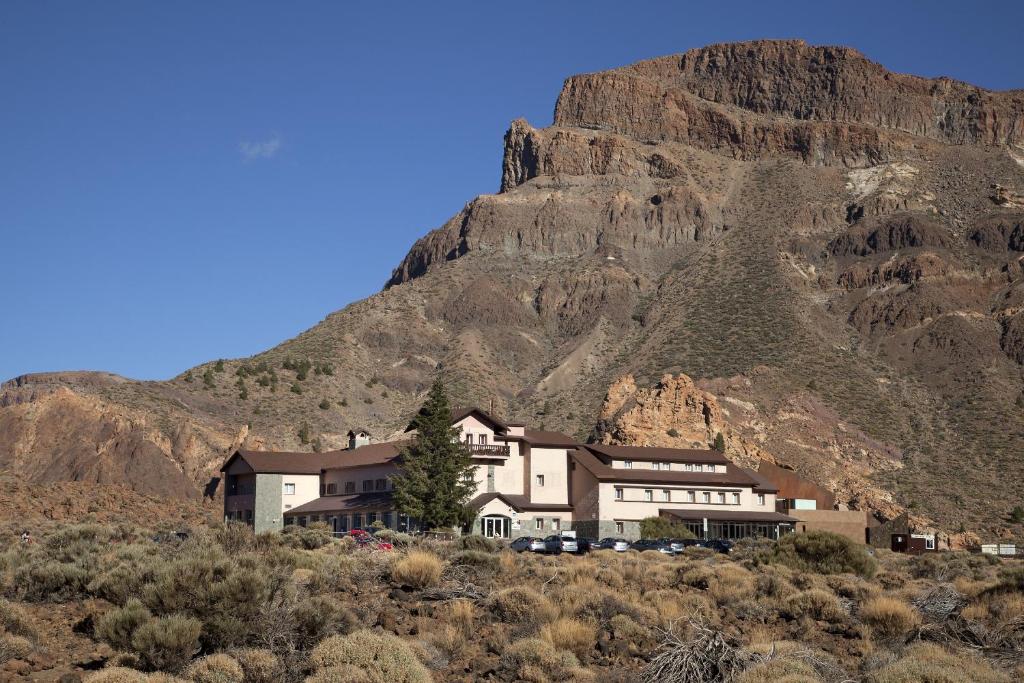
242 491
488 450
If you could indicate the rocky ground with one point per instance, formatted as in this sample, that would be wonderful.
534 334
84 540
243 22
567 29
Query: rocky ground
829 248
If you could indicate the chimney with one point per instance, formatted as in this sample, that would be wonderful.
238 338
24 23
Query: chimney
357 438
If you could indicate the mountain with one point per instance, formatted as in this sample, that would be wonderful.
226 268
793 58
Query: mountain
832 250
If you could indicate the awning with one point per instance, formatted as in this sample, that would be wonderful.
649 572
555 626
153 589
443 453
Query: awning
729 516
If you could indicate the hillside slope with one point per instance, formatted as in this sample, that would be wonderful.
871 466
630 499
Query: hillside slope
809 234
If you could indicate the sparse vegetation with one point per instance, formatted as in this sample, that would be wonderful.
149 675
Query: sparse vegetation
661 527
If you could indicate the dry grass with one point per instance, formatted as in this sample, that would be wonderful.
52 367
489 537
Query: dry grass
259 666
889 617
570 634
461 614
218 668
521 605
418 569
924 662
381 656
817 604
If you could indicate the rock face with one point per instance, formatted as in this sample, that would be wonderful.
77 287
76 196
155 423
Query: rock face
831 250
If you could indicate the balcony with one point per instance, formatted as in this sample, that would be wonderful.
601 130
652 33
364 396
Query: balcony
488 450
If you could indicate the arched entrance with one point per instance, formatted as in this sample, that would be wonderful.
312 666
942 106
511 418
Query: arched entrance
496 526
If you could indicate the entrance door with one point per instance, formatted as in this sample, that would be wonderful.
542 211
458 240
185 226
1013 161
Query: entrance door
496 526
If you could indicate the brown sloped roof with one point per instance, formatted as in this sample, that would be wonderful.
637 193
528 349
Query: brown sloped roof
657 453
370 454
346 503
284 462
462 413
539 437
733 476
517 502
728 515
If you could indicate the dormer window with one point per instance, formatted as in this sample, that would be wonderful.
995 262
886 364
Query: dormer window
482 440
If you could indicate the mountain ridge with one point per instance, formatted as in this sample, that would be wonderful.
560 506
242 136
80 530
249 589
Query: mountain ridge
730 213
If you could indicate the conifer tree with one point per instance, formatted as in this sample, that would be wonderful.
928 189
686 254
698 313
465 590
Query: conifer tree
436 481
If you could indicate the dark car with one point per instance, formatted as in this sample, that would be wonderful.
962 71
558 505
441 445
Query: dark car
720 545
560 544
527 544
585 545
619 545
656 545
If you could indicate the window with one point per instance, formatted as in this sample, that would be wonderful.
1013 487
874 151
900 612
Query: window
367 485
288 521
357 521
721 498
469 439
691 496
760 499
556 524
289 489
648 494
618 493
628 464
332 489
929 543
666 494
689 467
620 527
538 524
381 485
705 497
371 517
386 518
350 487
735 499
656 465
483 440
666 465
540 480
287 507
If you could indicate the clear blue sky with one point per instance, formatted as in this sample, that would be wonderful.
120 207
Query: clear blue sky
181 181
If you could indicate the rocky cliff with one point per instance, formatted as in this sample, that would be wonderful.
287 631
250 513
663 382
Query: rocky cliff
831 250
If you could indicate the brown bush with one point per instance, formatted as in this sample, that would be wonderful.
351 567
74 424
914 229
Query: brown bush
418 569
117 626
217 668
780 670
537 661
13 647
574 635
259 666
889 617
924 662
117 674
521 605
815 603
167 643
16 621
384 658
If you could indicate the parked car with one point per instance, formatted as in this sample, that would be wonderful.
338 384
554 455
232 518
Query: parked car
721 545
678 545
619 545
585 544
527 544
656 545
560 544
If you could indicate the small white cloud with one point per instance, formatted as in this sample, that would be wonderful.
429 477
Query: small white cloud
260 149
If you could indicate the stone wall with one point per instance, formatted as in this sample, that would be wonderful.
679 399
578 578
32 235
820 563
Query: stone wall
267 515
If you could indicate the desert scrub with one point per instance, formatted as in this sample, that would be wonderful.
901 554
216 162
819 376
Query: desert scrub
924 662
166 643
51 581
384 658
816 604
217 668
117 626
117 674
318 616
461 614
259 666
16 621
418 569
780 670
475 558
477 542
889 617
537 661
13 647
574 635
821 552
521 605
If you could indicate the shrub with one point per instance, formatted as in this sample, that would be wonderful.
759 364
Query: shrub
51 581
661 527
383 657
218 668
13 647
477 542
117 625
15 620
780 670
533 659
318 616
518 605
259 666
235 537
570 634
418 569
117 674
461 614
123 581
822 552
475 558
889 617
924 662
815 603
167 643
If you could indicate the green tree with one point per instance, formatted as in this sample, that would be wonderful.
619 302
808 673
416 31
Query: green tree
719 442
219 367
208 378
660 527
1017 514
325 404
304 432
436 480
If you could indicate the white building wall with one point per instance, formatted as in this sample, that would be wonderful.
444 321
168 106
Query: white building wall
307 488
357 475
633 506
553 464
